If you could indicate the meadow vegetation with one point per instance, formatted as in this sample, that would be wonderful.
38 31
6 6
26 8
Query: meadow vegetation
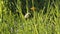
45 17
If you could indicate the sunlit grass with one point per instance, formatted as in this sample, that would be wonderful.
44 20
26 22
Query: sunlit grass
40 23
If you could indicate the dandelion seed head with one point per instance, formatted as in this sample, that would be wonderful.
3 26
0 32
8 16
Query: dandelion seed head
27 15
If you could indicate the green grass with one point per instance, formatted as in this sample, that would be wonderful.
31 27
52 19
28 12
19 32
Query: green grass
40 23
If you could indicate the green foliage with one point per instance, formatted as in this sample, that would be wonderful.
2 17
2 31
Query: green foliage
45 20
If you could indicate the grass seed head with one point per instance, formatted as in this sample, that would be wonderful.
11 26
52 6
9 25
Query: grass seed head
33 8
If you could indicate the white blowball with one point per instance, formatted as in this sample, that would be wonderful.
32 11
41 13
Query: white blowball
27 15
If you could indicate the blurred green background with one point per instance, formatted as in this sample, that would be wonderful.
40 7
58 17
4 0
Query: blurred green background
45 20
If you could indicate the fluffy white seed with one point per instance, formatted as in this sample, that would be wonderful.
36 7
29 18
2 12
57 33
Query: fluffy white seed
27 15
